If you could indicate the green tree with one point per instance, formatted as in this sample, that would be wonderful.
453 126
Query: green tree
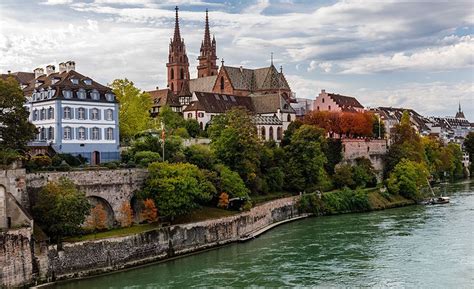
172 120
343 176
230 182
333 152
60 209
200 155
406 143
177 188
15 129
135 105
305 159
192 126
235 143
469 148
407 179
292 127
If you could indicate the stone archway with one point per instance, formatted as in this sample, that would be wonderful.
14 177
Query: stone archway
95 200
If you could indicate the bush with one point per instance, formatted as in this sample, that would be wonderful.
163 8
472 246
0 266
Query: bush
274 179
192 126
407 179
230 182
144 158
64 167
311 203
200 155
181 132
346 200
41 161
343 176
8 156
111 165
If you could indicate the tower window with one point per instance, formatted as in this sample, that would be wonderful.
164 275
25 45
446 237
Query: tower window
172 86
172 74
181 74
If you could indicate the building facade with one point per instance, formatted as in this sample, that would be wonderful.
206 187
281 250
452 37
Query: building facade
336 103
73 114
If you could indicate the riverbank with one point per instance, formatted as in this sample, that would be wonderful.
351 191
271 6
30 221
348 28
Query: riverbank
89 258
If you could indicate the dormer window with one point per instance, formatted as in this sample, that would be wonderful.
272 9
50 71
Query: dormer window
95 95
81 94
88 82
55 80
51 93
75 81
67 94
110 96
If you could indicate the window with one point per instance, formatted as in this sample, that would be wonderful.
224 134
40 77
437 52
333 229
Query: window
95 95
271 132
109 114
110 96
50 113
51 93
190 114
35 115
67 113
200 114
109 135
329 107
172 86
323 99
201 125
43 114
42 133
88 82
279 134
81 113
95 114
81 133
51 133
181 74
95 133
67 133
67 94
81 94
172 73
288 117
263 133
318 108
75 80
222 82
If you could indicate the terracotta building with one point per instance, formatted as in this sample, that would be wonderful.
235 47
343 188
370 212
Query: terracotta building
336 102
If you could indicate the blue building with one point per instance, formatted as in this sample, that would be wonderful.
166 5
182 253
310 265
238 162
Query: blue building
73 114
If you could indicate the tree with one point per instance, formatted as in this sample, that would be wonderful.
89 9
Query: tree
235 143
343 176
230 182
97 220
200 155
407 179
192 126
305 159
469 148
61 209
150 212
292 127
177 188
223 201
172 120
15 129
351 124
333 153
135 105
126 215
406 143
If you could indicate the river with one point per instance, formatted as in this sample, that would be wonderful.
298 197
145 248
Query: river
414 247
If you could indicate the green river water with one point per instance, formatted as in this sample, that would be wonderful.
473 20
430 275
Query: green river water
411 247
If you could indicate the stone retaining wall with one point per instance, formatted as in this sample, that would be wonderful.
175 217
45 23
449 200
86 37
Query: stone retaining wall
16 258
93 257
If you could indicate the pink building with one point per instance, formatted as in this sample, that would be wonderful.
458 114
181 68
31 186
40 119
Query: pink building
336 102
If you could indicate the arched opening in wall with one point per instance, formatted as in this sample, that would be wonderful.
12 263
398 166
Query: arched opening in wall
137 209
262 135
181 74
201 126
172 73
109 212
279 133
172 86
222 82
271 133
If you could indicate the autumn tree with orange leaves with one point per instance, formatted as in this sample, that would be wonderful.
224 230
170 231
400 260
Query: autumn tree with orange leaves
150 212
126 215
97 219
223 201
342 124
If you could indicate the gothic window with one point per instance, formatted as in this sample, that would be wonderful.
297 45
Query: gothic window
279 133
172 74
67 133
181 74
263 132
222 82
271 132
172 86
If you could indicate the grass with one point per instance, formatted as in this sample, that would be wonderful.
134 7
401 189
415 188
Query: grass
378 202
200 214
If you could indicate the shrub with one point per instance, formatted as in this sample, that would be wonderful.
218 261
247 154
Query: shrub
407 178
311 203
247 206
343 176
150 212
97 220
8 156
144 158
223 201
200 155
230 182
126 215
41 161
192 126
181 132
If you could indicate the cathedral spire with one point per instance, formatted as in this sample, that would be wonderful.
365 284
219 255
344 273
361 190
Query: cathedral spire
207 59
207 34
177 35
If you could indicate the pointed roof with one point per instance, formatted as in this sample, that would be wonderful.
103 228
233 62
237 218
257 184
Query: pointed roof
256 79
203 84
207 34
177 35
270 103
162 97
460 113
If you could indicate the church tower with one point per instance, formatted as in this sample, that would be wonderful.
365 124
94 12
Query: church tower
178 65
207 59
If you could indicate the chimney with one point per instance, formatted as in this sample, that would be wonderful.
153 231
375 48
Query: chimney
157 88
62 67
70 65
50 69
9 72
38 72
323 90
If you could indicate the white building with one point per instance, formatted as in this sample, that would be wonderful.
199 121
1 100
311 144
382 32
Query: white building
73 114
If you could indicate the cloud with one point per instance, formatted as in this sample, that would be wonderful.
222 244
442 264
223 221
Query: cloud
324 66
459 55
57 2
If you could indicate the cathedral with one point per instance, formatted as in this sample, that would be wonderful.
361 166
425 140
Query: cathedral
263 91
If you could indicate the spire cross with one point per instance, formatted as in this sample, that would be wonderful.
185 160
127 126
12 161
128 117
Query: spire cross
271 57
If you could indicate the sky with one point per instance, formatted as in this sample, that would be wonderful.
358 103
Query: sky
412 54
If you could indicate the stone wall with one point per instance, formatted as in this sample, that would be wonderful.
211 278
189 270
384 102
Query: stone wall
12 197
93 257
112 186
16 258
371 149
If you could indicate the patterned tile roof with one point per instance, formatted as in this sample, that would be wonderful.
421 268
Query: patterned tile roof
218 103
267 120
256 79
347 103
202 84
270 103
162 97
